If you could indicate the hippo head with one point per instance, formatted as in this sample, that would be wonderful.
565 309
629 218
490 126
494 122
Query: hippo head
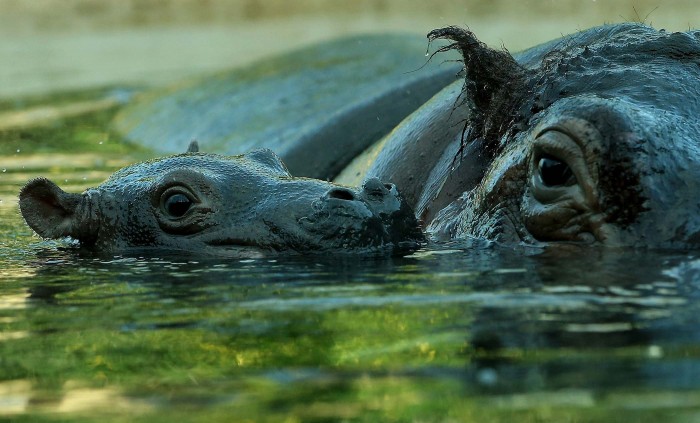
206 203
592 139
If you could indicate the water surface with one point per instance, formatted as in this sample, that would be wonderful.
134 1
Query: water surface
456 333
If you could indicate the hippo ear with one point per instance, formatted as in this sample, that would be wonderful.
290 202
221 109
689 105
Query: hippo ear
193 147
270 160
48 210
494 87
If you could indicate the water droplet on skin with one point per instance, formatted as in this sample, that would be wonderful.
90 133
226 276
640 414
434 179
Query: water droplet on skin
18 150
4 170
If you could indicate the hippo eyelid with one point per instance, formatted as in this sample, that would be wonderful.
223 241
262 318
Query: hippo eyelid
557 145
582 132
555 128
564 129
188 214
581 189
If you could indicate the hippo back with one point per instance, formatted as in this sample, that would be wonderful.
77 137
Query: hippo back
317 107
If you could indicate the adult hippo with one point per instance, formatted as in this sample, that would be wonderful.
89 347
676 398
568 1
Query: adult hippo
590 139
242 205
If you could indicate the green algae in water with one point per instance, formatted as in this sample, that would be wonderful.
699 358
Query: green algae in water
70 122
459 334
153 339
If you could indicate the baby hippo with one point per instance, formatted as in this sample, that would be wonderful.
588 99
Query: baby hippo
232 205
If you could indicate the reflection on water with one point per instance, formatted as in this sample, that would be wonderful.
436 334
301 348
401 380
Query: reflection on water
473 334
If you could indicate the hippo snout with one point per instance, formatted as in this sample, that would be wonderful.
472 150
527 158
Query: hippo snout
372 190
375 189
343 202
375 198
340 193
372 215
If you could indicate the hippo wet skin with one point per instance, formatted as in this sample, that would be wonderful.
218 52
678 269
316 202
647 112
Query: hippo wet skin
590 139
232 205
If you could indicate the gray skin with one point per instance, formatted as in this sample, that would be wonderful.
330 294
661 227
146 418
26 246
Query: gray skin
240 206
316 108
590 139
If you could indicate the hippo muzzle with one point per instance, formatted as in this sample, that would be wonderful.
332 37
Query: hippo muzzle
373 215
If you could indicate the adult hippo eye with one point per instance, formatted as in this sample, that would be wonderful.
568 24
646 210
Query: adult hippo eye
177 204
554 172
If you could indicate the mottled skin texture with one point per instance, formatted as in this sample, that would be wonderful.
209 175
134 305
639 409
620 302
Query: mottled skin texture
230 205
593 138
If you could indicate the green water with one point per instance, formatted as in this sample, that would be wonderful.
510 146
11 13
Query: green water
459 334
462 332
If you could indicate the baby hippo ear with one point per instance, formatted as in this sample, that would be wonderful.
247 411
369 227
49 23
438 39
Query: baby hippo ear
49 210
193 147
269 160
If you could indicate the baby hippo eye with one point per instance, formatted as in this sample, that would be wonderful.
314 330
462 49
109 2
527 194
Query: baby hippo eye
554 172
177 204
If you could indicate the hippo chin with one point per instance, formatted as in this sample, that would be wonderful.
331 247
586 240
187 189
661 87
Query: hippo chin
591 139
232 205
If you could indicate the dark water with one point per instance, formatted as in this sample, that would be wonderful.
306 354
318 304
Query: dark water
458 333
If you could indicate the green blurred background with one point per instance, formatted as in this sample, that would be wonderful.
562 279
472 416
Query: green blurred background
58 45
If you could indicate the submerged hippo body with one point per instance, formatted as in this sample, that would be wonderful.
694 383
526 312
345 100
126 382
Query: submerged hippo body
231 205
594 138
316 107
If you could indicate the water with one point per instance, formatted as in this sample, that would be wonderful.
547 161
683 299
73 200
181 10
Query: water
455 333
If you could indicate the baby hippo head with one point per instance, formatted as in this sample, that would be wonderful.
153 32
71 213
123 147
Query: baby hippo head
231 205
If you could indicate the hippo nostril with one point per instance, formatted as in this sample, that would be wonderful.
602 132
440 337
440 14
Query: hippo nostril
341 194
375 188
